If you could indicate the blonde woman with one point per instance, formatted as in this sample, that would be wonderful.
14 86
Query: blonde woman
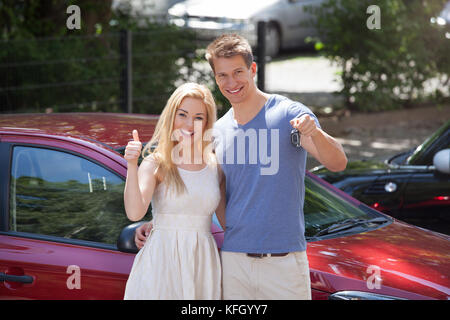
181 178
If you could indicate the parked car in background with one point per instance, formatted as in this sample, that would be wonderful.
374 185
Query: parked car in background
442 20
287 20
153 10
413 186
64 233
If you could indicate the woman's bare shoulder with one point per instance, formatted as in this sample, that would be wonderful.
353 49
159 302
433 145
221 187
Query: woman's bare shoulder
151 165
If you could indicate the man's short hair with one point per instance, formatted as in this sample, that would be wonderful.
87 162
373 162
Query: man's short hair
227 46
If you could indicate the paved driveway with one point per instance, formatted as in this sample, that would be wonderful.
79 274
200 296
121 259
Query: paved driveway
302 75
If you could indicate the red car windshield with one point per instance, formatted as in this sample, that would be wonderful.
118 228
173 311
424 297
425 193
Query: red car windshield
325 206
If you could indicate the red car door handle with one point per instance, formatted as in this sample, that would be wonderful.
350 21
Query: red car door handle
11 278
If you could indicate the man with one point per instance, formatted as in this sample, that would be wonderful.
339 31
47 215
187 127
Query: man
264 249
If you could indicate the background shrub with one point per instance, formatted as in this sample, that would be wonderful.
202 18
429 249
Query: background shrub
385 68
45 66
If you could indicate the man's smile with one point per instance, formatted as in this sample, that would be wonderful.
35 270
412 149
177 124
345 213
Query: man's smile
235 91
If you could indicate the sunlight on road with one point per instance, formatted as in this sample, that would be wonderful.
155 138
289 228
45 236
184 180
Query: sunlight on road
351 142
399 145
357 149
309 74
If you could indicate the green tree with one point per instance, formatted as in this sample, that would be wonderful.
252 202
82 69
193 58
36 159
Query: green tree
46 65
384 68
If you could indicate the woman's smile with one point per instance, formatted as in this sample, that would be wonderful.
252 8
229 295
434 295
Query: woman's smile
190 120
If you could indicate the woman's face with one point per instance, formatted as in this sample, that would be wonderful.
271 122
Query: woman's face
190 120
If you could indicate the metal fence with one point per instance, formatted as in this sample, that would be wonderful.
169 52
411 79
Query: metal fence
118 72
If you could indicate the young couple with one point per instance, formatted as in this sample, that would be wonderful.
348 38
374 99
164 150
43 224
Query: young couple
264 249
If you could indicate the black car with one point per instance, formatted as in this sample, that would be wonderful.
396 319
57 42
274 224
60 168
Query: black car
413 186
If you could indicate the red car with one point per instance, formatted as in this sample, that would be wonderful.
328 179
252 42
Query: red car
64 233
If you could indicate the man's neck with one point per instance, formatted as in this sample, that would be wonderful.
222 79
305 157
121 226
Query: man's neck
244 112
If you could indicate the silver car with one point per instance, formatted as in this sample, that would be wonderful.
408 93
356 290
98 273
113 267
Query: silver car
211 18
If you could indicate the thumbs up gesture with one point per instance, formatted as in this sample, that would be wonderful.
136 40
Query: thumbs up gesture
133 149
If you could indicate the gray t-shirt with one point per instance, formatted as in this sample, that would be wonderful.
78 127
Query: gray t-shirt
264 179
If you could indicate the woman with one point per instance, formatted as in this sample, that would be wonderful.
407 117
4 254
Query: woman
181 178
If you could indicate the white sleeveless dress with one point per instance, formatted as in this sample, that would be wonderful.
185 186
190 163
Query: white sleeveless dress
180 259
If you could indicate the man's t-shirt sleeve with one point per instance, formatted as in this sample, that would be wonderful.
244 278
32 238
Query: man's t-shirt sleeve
296 110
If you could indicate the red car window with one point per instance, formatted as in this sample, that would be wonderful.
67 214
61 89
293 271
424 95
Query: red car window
64 195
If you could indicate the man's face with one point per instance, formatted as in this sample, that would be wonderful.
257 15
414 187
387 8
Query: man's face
234 79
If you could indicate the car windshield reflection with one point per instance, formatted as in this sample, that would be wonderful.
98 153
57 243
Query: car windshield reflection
400 159
417 157
325 208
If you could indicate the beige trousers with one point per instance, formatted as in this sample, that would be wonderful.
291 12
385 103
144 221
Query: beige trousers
267 278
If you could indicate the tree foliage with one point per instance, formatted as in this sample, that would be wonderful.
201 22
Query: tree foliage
385 68
46 65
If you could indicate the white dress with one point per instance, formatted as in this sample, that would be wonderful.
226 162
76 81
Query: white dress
180 259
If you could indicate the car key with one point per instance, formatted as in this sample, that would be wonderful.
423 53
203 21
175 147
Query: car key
295 138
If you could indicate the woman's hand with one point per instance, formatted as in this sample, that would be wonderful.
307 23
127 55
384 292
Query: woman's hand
141 181
133 150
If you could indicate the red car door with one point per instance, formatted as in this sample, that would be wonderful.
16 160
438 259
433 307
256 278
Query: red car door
61 214
40 269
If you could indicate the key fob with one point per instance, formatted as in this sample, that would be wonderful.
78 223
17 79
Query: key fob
295 138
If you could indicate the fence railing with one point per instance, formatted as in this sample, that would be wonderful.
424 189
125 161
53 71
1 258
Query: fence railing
118 72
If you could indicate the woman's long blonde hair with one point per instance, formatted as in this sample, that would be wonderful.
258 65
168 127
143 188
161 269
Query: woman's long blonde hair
161 144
